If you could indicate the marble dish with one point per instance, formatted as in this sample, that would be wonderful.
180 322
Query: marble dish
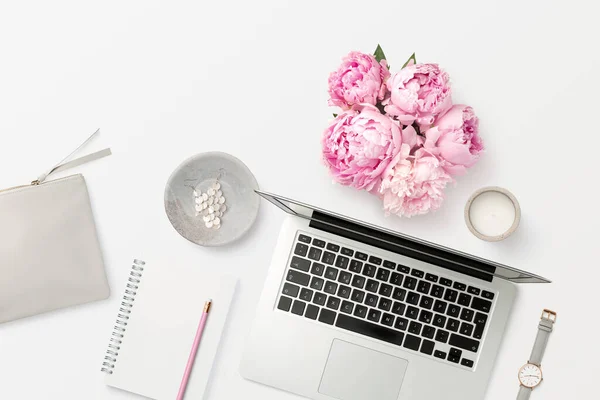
199 173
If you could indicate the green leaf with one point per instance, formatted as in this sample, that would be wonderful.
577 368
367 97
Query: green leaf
334 115
379 55
413 57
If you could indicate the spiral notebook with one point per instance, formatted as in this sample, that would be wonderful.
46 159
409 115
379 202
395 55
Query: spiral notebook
156 325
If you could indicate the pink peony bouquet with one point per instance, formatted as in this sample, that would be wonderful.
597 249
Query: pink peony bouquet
398 135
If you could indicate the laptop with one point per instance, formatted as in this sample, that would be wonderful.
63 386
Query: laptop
352 311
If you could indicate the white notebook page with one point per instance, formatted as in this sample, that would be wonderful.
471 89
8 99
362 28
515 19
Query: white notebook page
162 327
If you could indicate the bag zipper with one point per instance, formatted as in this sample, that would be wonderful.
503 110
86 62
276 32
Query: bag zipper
33 183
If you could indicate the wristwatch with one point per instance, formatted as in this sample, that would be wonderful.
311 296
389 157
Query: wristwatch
530 374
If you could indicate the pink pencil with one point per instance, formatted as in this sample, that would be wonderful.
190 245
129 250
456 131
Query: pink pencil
190 363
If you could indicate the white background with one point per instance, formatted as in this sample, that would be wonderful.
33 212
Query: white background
168 79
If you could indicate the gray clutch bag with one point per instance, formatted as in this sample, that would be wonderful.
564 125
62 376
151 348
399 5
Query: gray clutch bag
50 257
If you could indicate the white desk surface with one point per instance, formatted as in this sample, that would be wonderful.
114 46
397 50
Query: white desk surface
167 79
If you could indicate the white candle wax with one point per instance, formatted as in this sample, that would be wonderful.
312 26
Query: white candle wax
492 213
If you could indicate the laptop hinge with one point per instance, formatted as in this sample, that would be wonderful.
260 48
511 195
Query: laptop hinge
403 246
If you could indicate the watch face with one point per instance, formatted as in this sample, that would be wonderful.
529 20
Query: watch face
530 375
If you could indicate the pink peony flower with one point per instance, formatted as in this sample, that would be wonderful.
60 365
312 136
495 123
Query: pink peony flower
359 145
455 139
360 79
419 93
413 185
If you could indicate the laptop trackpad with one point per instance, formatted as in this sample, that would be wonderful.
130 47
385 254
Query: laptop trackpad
358 373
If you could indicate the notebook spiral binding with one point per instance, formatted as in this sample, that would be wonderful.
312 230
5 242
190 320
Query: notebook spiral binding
120 327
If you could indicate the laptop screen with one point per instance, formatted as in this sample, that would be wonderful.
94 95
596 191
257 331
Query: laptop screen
402 244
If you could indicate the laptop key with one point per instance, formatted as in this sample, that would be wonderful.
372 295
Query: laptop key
480 304
361 256
317 269
428 332
358 295
412 312
424 287
290 290
442 336
344 291
306 294
316 283
439 321
426 316
410 283
333 303
398 308
437 291
451 295
375 260
466 363
474 290
399 294
396 279
358 281
319 243
311 311
452 325
347 307
342 262
383 274
403 268
331 273
356 266
413 298
389 264
445 282
401 323
480 321
360 311
369 270
328 258
369 329
464 299
427 347
347 252
301 249
300 263
467 315
431 278
439 354
385 290
298 307
414 327
460 286
417 273
315 253
304 238
453 310
412 342
298 277
426 302
320 299
387 319
284 303
440 306
372 285
345 277
327 316
374 315
464 343
487 295
466 329
385 304
330 287
333 247
371 300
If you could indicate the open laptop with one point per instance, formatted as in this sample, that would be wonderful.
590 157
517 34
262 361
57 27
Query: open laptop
351 311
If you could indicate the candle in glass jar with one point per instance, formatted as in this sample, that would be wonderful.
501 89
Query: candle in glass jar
492 214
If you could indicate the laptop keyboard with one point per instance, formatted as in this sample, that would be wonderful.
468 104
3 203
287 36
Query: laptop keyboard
369 295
